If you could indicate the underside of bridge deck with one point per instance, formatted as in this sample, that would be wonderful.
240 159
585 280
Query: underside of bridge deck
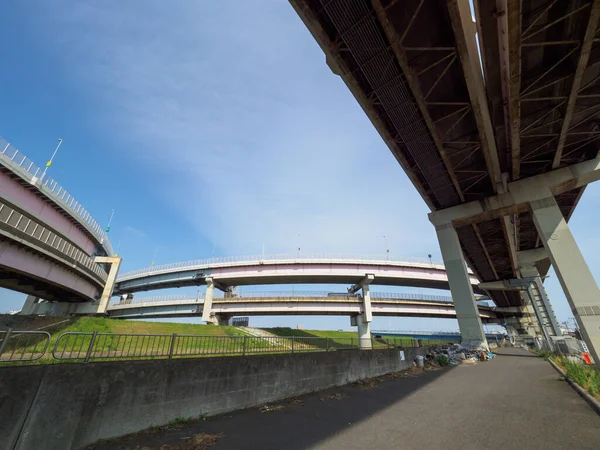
540 60
413 66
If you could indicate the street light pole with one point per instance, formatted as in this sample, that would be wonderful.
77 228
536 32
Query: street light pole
387 250
112 213
49 163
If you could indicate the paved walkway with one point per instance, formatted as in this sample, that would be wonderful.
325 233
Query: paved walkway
513 402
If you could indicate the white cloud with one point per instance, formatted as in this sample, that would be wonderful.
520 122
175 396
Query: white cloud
134 232
257 141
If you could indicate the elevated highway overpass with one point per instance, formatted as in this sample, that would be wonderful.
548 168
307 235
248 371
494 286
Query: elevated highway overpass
228 272
500 147
309 303
50 246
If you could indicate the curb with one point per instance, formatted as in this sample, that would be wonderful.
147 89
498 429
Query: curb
595 404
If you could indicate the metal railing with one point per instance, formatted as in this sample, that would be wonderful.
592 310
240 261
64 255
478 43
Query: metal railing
88 346
283 295
20 164
284 258
23 345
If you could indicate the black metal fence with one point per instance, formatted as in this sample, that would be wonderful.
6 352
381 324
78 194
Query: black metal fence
96 346
23 345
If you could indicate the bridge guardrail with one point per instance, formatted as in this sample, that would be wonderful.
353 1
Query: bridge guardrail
284 257
21 164
22 224
174 299
23 345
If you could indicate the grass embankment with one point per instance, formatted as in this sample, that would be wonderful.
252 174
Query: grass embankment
103 325
114 340
588 377
339 339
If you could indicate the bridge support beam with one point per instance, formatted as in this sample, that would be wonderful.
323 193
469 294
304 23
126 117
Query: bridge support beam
207 314
526 324
538 296
30 305
222 319
574 275
536 302
363 321
364 331
115 264
469 321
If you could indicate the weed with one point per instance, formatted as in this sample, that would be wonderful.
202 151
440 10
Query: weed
545 354
442 360
178 421
587 377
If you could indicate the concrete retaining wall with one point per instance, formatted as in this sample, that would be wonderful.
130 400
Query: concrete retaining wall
70 405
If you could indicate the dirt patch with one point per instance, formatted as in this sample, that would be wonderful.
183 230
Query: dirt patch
272 408
336 396
368 383
280 406
294 400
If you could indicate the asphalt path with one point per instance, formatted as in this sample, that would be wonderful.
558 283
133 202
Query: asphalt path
515 401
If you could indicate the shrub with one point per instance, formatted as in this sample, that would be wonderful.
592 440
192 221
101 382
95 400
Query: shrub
442 360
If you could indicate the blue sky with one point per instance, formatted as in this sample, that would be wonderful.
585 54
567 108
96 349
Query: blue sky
212 127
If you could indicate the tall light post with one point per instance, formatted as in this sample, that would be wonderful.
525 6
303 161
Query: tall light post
112 213
387 250
49 163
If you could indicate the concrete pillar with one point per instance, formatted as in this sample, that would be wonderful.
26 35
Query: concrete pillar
367 310
208 299
30 305
574 275
221 319
525 325
539 299
115 264
364 331
469 321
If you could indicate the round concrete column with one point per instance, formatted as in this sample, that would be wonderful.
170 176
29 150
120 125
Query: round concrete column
364 333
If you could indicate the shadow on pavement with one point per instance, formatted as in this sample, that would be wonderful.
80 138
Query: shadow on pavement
301 423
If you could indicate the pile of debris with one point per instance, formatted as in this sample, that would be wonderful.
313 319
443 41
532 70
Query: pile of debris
455 354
